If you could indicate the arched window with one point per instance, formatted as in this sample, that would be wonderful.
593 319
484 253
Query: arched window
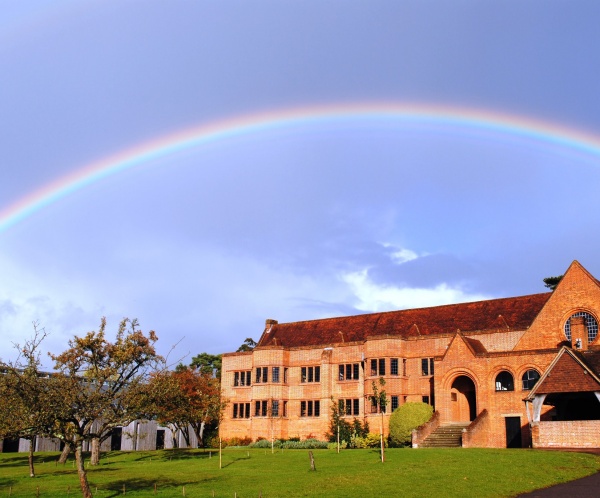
590 323
505 382
529 379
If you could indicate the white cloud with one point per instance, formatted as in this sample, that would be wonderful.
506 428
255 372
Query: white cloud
403 255
374 297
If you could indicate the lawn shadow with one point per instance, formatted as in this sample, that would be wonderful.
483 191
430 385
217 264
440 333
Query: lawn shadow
235 460
118 488
176 454
15 461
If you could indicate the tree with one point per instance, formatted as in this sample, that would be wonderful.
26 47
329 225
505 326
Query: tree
100 385
346 429
379 398
552 282
206 363
248 345
25 389
187 398
405 419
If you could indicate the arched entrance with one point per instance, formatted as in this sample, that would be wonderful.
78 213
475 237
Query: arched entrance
463 400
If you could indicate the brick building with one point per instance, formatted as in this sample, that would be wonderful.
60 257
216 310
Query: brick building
519 371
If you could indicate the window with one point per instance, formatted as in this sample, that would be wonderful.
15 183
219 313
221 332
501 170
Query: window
285 408
504 382
529 379
425 399
310 408
275 374
394 366
378 367
590 323
242 378
241 410
262 375
275 408
349 406
426 366
260 408
311 374
375 407
395 404
404 367
285 375
348 371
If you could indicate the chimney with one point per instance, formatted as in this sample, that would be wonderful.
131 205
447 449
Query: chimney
269 322
579 333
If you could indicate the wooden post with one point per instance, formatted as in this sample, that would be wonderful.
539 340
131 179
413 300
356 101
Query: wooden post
338 437
312 460
124 489
154 488
381 438
220 454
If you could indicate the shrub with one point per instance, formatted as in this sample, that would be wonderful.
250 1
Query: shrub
307 444
234 441
265 443
371 440
407 417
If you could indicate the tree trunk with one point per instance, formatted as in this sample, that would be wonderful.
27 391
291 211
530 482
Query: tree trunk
65 453
85 486
31 450
95 456
199 432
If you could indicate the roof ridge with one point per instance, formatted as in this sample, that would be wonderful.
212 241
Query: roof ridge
379 313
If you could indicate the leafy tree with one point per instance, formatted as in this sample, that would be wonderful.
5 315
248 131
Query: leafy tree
407 417
552 282
346 429
185 399
100 386
248 345
25 389
206 363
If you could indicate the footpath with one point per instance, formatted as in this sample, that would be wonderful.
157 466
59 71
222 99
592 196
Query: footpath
586 487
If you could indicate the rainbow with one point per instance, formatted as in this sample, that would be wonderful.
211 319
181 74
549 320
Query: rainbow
456 117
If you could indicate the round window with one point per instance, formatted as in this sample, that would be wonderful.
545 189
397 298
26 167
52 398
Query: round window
590 322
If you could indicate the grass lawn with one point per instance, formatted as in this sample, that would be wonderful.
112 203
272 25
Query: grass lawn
406 472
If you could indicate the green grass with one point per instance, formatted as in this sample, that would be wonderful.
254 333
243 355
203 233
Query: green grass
425 472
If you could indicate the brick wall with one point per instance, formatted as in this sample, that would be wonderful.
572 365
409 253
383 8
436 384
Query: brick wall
571 434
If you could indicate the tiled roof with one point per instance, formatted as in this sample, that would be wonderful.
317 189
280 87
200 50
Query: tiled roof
513 313
568 375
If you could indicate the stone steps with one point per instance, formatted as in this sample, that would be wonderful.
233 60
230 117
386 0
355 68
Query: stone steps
445 436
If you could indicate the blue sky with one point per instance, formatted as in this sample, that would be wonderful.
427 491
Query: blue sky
292 223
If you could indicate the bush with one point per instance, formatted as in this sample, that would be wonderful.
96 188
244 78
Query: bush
234 441
371 440
307 444
407 417
265 443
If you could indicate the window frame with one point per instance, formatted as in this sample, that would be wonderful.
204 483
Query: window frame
503 384
531 382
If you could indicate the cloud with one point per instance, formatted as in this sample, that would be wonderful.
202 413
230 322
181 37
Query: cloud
373 297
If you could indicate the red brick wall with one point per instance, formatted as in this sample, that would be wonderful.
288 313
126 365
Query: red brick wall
571 434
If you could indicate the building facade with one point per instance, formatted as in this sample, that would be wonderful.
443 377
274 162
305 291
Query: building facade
510 370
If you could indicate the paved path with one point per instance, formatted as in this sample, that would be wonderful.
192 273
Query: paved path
586 487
